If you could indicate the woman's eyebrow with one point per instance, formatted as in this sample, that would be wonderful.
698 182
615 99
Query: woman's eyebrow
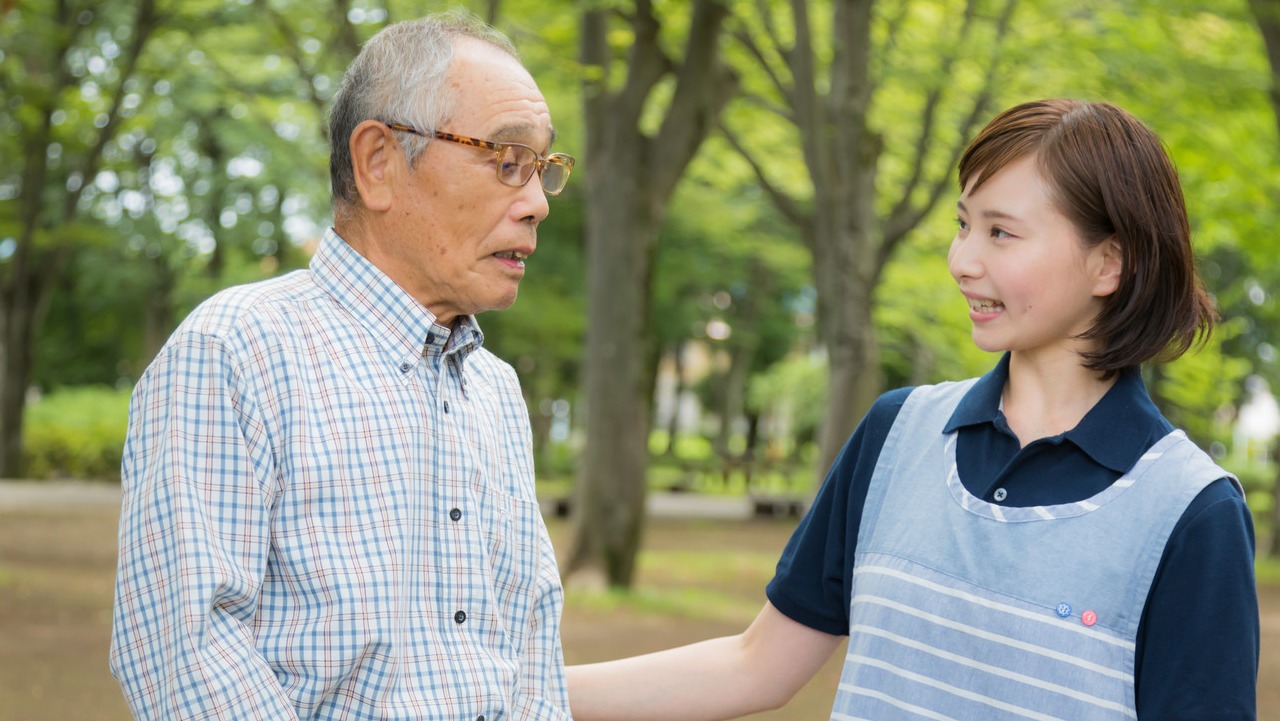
989 214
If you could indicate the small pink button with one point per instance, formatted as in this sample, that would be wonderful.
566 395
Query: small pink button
1088 618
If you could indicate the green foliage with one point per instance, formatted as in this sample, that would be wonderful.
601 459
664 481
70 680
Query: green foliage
794 389
1196 391
1258 480
541 334
1267 571
217 174
687 447
76 433
925 331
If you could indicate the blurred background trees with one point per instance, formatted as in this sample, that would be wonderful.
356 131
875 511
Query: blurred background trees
753 247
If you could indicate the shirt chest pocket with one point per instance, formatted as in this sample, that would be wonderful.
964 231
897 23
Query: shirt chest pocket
510 529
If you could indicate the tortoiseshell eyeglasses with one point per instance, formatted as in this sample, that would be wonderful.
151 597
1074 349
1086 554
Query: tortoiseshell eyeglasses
516 162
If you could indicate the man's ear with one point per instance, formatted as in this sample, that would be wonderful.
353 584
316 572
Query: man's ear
374 154
1110 268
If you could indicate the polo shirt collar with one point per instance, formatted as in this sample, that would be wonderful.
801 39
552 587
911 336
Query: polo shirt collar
402 327
1114 433
982 403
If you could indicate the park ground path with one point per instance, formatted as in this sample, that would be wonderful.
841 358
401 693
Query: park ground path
57 565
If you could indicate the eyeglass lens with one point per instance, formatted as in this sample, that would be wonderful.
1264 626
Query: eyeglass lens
518 163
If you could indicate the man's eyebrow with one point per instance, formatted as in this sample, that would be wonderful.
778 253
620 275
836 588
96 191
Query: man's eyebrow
515 133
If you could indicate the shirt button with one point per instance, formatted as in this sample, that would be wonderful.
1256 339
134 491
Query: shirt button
446 406
1000 494
460 617
455 514
405 367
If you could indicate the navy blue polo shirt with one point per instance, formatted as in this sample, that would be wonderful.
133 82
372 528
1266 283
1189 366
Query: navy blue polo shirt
1197 644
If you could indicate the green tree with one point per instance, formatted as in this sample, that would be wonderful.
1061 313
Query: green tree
727 277
647 111
826 89
69 77
1265 318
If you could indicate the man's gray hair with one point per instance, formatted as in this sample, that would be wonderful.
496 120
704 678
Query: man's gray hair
399 76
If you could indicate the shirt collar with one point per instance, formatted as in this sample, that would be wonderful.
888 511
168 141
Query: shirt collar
402 326
982 403
1115 432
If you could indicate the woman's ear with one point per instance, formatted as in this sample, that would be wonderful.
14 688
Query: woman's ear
373 157
1109 259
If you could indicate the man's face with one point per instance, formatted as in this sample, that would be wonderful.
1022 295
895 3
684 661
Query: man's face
461 234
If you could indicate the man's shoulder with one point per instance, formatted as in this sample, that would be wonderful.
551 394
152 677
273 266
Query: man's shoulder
493 368
233 309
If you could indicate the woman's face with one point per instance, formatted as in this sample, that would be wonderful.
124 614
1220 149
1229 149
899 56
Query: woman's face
1031 283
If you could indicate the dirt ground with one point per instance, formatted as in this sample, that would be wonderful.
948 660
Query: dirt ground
57 562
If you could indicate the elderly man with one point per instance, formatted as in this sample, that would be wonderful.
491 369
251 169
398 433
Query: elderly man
329 506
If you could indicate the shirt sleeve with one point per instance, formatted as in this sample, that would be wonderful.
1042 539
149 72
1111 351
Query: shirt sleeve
1198 641
194 539
544 692
813 581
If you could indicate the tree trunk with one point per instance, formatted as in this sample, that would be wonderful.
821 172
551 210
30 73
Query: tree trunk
1267 15
845 241
19 317
853 372
211 148
850 244
630 176
610 497
158 321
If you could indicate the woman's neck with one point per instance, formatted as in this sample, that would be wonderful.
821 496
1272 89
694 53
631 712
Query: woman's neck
1045 397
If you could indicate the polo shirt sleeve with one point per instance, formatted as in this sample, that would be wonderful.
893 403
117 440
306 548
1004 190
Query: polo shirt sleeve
813 580
1198 641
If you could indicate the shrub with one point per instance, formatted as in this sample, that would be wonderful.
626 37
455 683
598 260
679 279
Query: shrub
76 433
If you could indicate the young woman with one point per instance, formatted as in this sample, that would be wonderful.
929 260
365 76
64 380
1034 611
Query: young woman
1036 543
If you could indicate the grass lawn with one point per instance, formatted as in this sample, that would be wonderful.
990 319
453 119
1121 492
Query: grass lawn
696 580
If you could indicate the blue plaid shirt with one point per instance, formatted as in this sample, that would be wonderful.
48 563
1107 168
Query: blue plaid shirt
329 513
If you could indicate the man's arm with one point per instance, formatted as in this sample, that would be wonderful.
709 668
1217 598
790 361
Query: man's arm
543 694
757 670
194 538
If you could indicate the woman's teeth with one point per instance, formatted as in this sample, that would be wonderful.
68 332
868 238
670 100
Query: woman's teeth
985 306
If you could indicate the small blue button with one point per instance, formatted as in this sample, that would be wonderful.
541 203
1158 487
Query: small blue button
1063 609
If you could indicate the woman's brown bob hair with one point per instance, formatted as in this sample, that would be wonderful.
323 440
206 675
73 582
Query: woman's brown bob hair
1111 177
